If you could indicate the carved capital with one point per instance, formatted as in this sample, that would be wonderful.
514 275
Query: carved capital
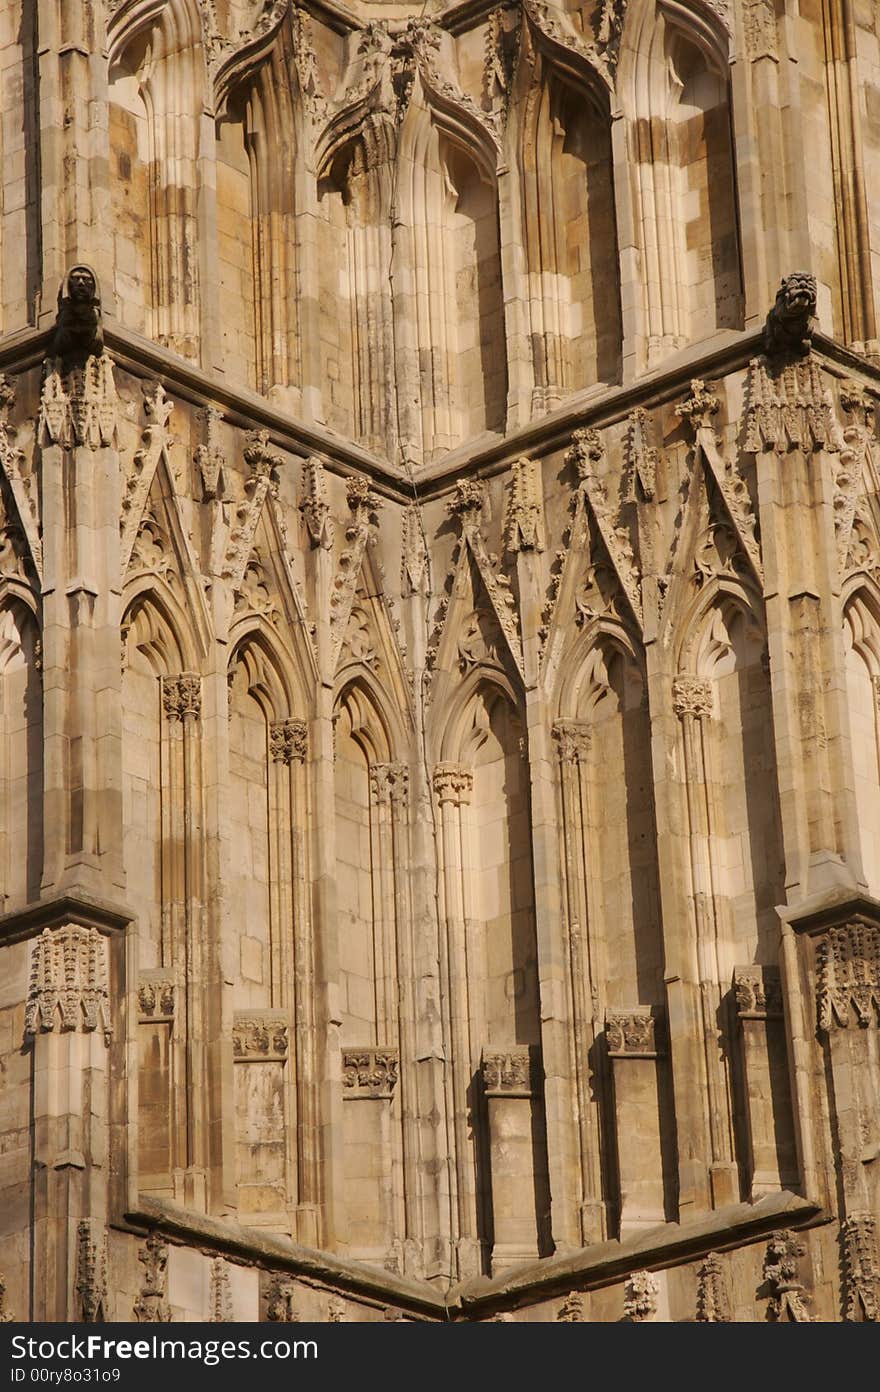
155 996
259 1036
288 741
369 1072
849 976
758 992
513 1072
631 1033
182 696
699 408
390 782
453 783
693 696
572 741
68 982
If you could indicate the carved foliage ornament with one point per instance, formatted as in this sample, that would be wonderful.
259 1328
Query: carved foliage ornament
68 983
182 696
288 741
713 1302
281 1301
221 1294
513 1073
452 783
849 976
414 553
315 507
369 1072
572 741
571 1311
758 992
389 783
630 1033
640 1292
861 1268
91 1269
525 513
693 696
151 1306
787 1295
259 1037
156 998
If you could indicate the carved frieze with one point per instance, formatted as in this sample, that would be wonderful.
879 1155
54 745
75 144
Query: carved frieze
182 697
453 783
91 1269
758 992
259 1036
631 1033
369 1072
151 1305
68 982
713 1301
513 1072
79 406
861 1268
787 1295
288 741
848 962
693 696
640 1292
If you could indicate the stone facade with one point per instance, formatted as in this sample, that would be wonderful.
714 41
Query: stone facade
440 600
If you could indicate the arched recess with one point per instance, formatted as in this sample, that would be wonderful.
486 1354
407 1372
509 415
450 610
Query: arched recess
448 302
862 645
674 90
21 770
411 325
375 966
736 878
565 167
256 143
612 898
157 95
489 976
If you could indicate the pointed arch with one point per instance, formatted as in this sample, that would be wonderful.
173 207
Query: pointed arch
154 621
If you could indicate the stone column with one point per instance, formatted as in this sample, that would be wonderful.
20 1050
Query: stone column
454 786
630 1040
288 743
512 1091
67 1022
694 704
586 976
183 923
769 1138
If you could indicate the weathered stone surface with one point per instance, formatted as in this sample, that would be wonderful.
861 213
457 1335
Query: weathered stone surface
439 661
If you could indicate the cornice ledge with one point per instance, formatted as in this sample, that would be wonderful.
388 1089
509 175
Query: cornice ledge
277 1253
71 906
819 911
669 1244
